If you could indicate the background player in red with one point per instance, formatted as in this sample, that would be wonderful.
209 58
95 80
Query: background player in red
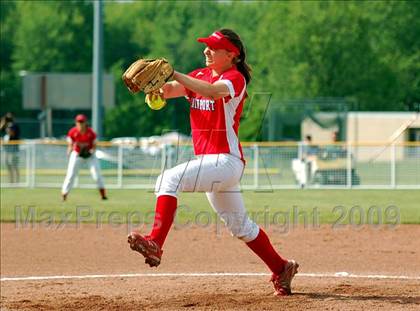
216 95
81 148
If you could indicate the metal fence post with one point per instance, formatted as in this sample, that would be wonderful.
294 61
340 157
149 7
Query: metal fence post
163 158
120 167
28 165
33 166
256 167
167 156
349 180
393 166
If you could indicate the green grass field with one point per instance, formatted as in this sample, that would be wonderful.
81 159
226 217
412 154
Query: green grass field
353 207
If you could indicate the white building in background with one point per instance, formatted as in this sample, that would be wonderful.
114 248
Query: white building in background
380 127
372 128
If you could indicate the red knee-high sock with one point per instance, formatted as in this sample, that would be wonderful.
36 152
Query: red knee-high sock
263 248
164 217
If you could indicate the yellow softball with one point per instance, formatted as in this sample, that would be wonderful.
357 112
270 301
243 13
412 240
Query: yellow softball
155 101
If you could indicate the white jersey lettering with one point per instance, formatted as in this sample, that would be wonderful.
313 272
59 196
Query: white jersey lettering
202 104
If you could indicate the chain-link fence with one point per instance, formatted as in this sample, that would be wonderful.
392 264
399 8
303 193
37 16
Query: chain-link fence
269 165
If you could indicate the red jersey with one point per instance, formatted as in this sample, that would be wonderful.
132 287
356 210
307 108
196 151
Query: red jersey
79 140
215 123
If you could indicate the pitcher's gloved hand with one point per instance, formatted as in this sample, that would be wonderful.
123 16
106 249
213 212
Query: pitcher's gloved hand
147 75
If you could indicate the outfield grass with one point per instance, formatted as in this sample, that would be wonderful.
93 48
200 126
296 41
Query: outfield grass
331 206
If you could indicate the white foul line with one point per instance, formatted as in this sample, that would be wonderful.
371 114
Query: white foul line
140 275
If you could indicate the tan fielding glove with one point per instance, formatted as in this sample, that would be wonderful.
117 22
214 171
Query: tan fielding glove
147 75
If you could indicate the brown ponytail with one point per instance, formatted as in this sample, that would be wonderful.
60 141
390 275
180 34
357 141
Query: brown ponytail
239 60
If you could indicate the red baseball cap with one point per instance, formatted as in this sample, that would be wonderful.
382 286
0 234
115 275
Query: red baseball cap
218 41
80 118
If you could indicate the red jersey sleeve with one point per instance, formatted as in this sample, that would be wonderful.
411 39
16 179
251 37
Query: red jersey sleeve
93 134
71 133
91 137
235 82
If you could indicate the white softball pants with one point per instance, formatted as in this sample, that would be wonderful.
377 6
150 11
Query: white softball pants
218 175
73 168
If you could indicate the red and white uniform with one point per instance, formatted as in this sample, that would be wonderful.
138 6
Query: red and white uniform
219 165
80 140
216 170
215 123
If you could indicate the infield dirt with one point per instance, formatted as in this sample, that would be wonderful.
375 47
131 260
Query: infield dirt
89 250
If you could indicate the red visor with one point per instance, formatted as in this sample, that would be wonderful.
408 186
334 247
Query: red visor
80 118
218 41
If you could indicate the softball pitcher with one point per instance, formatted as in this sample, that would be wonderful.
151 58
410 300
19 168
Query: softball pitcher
216 95
81 147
